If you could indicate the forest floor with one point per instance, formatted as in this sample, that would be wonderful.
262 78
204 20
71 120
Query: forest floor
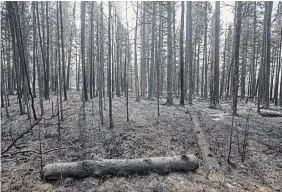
145 135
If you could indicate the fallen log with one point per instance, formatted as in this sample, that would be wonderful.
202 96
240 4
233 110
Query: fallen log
269 113
211 164
120 167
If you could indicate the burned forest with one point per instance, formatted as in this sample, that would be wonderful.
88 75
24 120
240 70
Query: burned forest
141 96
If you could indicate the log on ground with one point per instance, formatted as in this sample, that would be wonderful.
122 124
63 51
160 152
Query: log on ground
120 167
208 156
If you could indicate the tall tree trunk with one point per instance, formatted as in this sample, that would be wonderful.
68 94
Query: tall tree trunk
174 50
63 54
224 65
118 54
2 79
205 52
263 81
278 71
135 61
169 57
85 96
43 53
274 54
182 94
113 53
90 53
190 54
280 95
126 68
268 48
151 73
44 57
100 67
4 95
143 57
198 68
235 81
9 75
253 70
244 67
59 92
215 98
34 49
39 70
70 47
102 51
110 66
47 71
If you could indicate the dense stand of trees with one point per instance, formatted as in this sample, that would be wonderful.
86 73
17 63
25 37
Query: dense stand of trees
44 52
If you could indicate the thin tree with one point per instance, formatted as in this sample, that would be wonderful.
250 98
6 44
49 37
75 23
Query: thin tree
39 65
175 78
182 94
47 71
222 82
90 53
253 71
143 51
237 34
190 54
169 57
135 60
63 53
268 56
205 52
278 71
34 48
151 72
126 68
263 81
110 66
70 46
60 74
85 96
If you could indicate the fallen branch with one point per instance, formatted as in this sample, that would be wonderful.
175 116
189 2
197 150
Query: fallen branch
120 167
20 136
36 152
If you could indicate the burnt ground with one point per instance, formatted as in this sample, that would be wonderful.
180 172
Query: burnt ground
145 135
